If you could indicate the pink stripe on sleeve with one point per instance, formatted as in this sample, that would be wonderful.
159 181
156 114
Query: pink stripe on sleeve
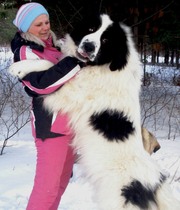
23 53
44 91
54 86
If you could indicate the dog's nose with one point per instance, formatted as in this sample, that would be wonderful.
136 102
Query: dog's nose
89 47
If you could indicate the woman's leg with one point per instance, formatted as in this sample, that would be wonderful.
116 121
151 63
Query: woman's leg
53 169
65 176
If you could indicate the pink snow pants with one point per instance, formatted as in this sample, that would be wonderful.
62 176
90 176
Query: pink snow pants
54 165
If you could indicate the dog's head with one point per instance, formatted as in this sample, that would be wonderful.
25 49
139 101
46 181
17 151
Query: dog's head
100 40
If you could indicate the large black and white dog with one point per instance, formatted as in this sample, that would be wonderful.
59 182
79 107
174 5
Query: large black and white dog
103 104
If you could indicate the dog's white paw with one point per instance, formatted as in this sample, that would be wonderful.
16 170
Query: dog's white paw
17 70
21 68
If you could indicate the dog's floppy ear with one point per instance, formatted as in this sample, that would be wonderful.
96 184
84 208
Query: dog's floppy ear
120 55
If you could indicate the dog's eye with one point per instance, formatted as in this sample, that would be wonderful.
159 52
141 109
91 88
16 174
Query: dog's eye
104 40
91 29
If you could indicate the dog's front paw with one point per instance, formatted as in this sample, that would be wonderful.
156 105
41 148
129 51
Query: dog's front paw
20 69
16 71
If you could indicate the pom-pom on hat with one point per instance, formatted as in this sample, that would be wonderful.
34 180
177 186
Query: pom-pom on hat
26 14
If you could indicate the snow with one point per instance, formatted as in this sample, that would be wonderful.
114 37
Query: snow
17 168
17 173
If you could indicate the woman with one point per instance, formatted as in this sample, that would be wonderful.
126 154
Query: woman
55 157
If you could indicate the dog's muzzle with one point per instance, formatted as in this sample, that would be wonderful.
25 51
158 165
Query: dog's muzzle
87 50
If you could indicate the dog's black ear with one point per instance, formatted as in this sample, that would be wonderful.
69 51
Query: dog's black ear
120 52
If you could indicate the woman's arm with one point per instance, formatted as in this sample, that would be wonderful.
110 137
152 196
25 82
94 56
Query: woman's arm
46 82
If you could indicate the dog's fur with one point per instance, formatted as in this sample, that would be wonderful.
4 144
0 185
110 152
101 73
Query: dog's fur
150 143
102 102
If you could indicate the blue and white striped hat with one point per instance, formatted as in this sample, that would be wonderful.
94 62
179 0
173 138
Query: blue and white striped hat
26 14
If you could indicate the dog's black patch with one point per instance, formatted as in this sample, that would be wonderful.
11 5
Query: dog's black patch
114 48
114 125
88 25
138 195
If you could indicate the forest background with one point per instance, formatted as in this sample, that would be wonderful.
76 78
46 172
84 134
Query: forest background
155 23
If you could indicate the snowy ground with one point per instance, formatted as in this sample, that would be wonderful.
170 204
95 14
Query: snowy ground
17 173
17 166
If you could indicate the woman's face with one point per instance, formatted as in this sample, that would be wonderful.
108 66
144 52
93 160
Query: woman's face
40 27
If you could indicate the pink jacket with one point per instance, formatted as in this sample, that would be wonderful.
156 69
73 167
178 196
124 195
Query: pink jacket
45 125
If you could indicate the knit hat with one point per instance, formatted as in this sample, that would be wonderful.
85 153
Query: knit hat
26 14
